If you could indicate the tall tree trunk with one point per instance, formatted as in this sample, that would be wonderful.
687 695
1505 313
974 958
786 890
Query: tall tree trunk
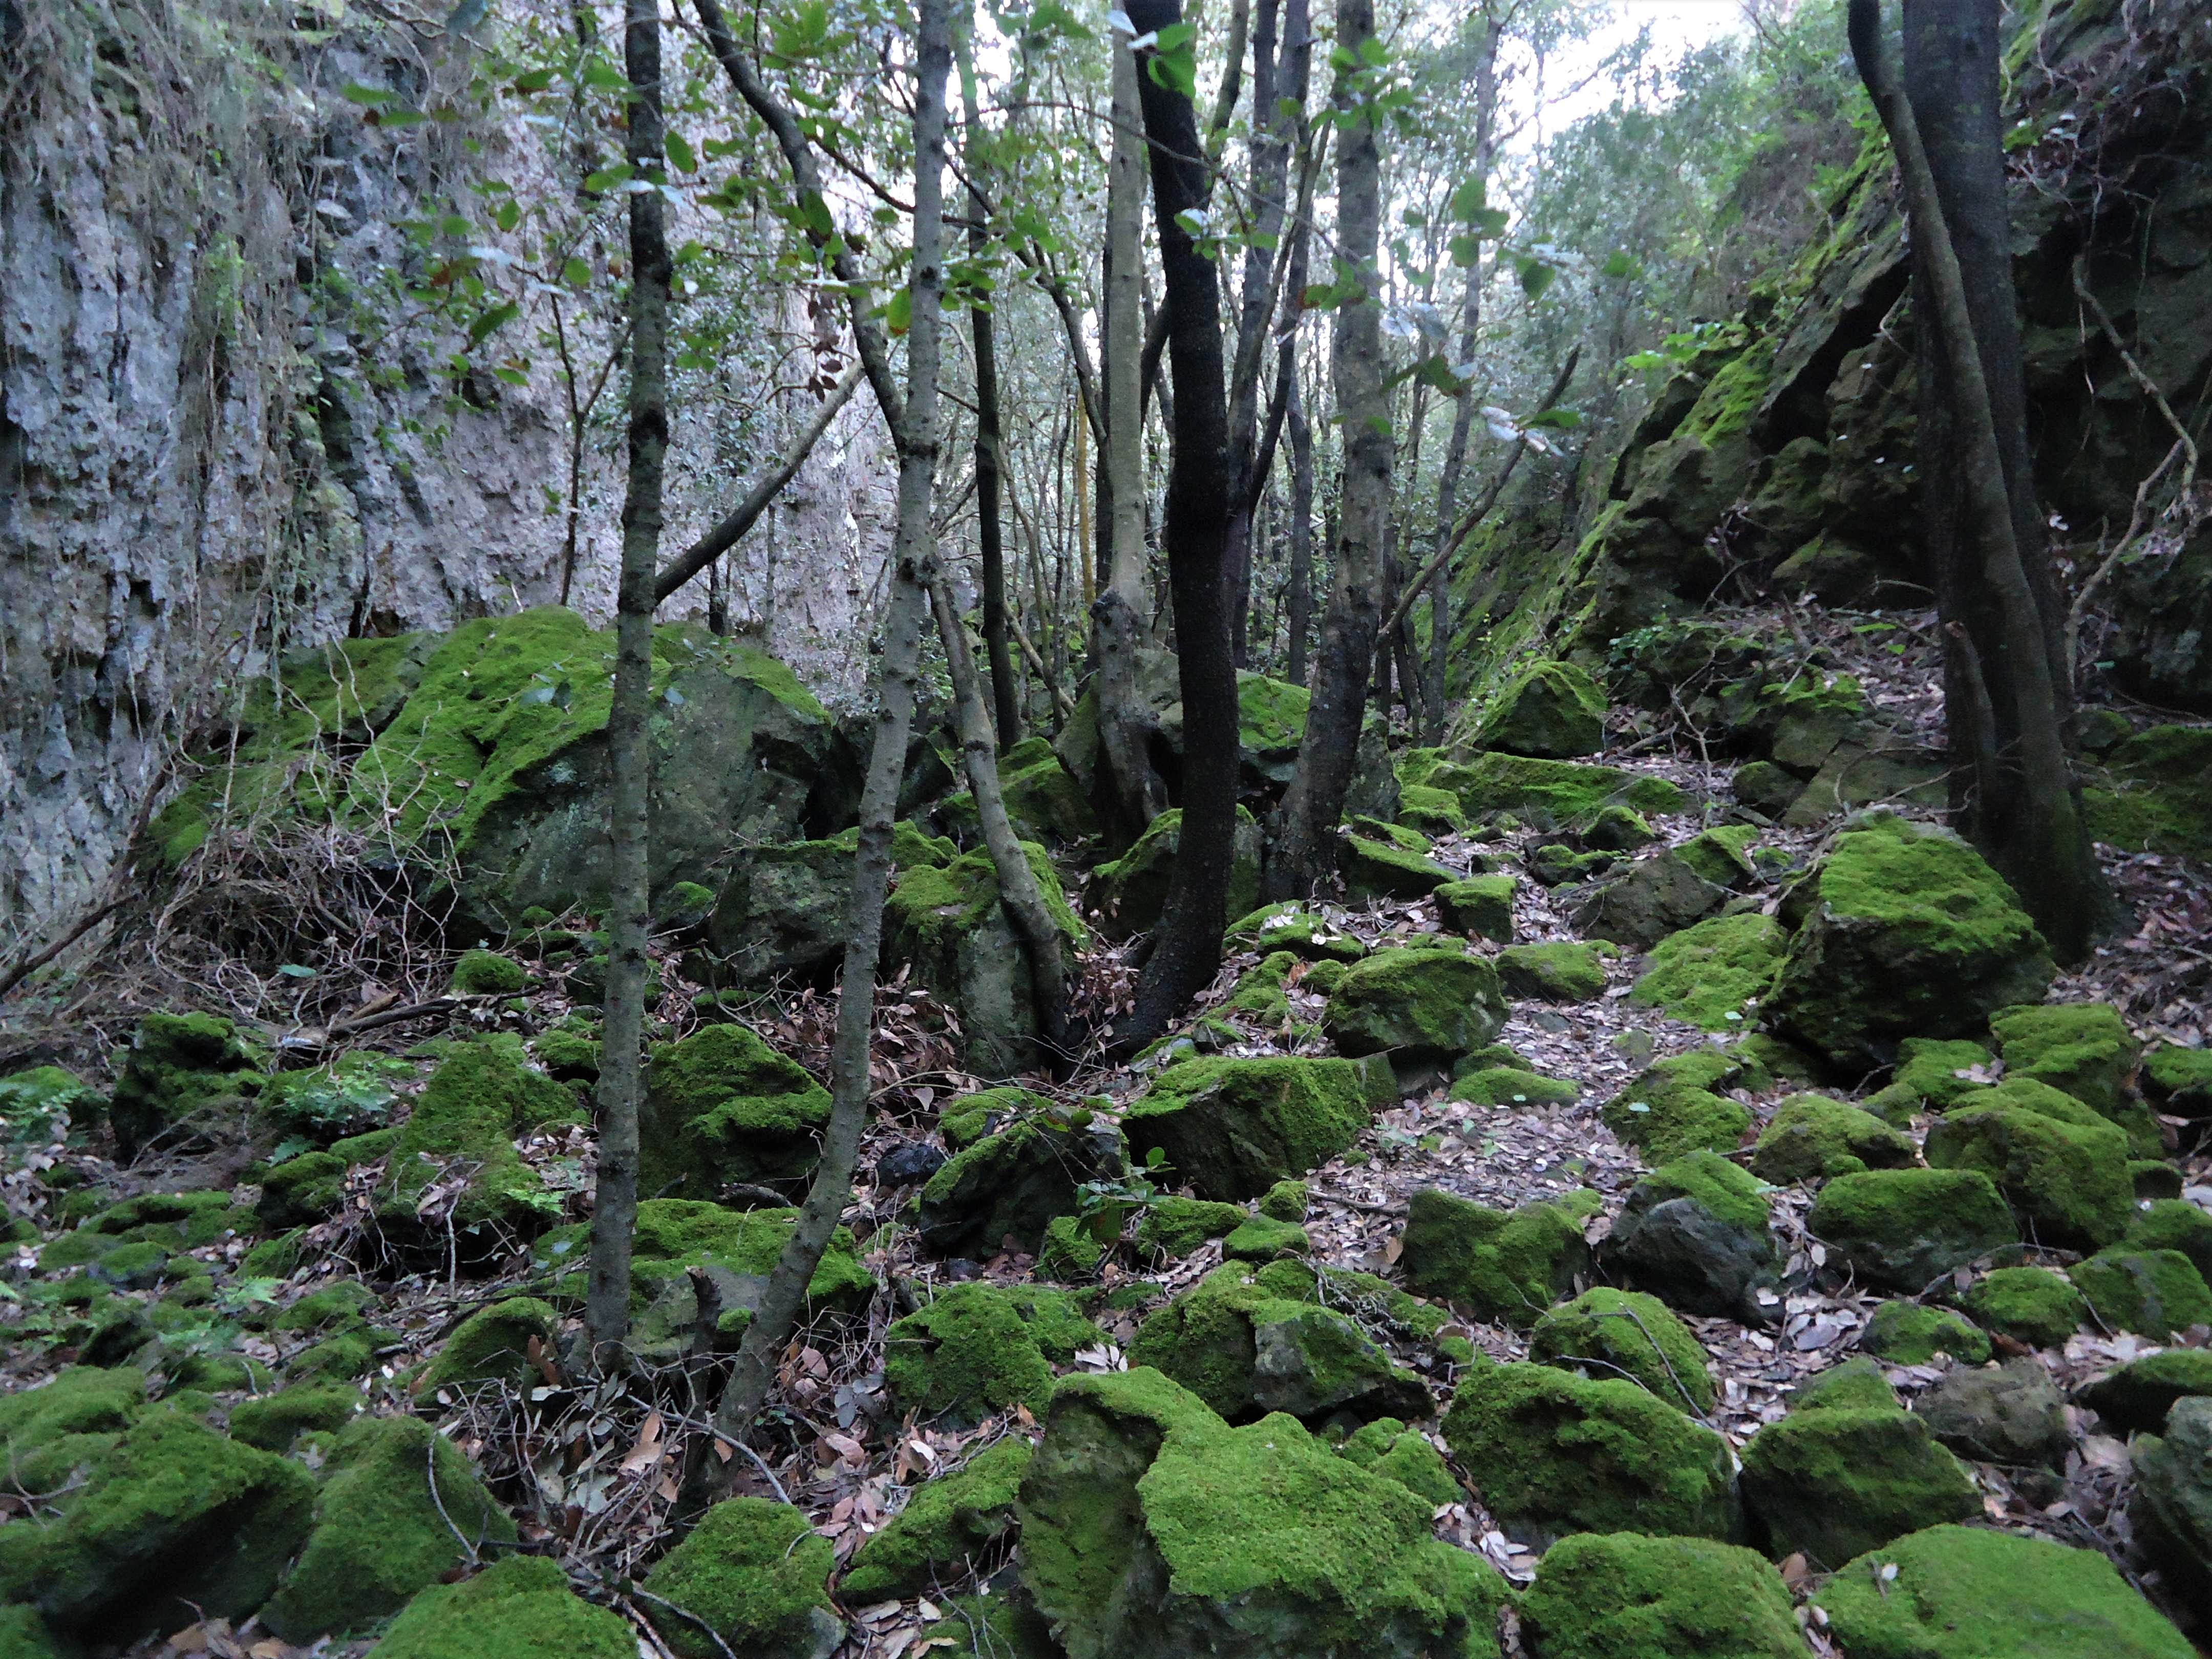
1187 946
1005 700
1298 604
1134 795
914 568
630 734
1306 846
1270 155
2004 701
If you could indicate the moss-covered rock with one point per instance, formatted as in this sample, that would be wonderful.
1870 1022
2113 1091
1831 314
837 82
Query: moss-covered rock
1508 1266
1611 1595
2179 1079
179 1066
1857 1384
2136 1398
966 1355
1262 1238
1714 974
1930 1074
2009 1415
1232 1128
1811 1138
1607 1333
381 1532
2068 1182
1910 934
721 1106
1421 1004
1767 789
1978 1594
1561 972
1674 1106
1694 1232
1551 1453
349 1099
1834 1484
1290 927
1657 895
1375 869
1286 1200
2084 1049
478 1100
517 1609
1043 800
482 972
2153 793
1387 1447
81 1399
1615 829
1904 1228
2171 1224
1555 865
493 1346
1480 907
1010 1183
1550 792
782 907
2028 1304
1431 812
1509 1085
1914 1333
755 1573
1150 1528
1722 855
1176 1226
2153 1293
1129 895
272 1422
950 1527
1551 710
2172 1508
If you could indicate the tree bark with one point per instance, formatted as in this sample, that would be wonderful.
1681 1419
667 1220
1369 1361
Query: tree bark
1297 605
1006 698
914 570
1187 946
630 735
1271 153
1305 847
2001 649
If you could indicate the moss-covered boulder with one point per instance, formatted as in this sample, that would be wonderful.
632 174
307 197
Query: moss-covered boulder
1558 972
272 1422
1857 1384
2172 1508
1811 1138
1551 1453
1954 1592
2136 1398
173 1524
1421 1005
756 1574
1232 1128
1431 812
1675 1107
500 1344
2153 1293
1902 1229
1290 927
2172 1223
1722 855
2153 791
81 1401
350 1097
1930 1074
1767 789
1375 869
463 1125
1605 1332
517 1609
1043 801
1614 829
1614 1596
1387 1447
2084 1048
1248 1342
1013 1182
1716 973
1128 896
1150 1528
951 1525
1480 907
1176 1226
722 1107
782 907
2028 1304
1834 1484
2068 1182
1909 933
1548 792
1657 895
1507 1267
2179 1079
1914 1333
1694 1232
966 1355
381 1532
2010 1414
1552 710
1509 1085
179 1066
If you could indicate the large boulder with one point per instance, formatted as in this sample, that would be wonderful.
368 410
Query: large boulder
751 1577
1510 1268
1835 1483
1128 896
522 1604
1599 1594
781 908
1150 1529
1904 1229
1715 973
1658 895
1232 1128
1433 1004
1012 1181
2068 1181
1909 933
1694 1233
2011 1414
722 1107
1811 1138
1609 1332
950 1525
180 1066
1551 710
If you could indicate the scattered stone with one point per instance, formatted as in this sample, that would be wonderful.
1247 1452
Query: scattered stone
1565 972
1289 927
1931 1073
2179 1079
1694 1233
1387 1447
1480 907
1232 1128
1715 973
1010 1183
908 1163
494 1345
1550 792
2172 1507
1722 855
1376 869
1418 1004
2028 1304
1552 710
2174 1224
486 973
2083 1048
1262 1238
723 1106
2153 1293
1837 1483
1615 829
1914 1333
1072 1250
966 1355
1286 1200
1659 894
1606 1332
1509 1267
1672 1107
178 1067
1858 1384
2070 1183
1600 1596
1508 1085
1431 812
781 909
756 1574
1766 788
2010 1414
272 1422
1176 1226
1555 865
1812 1138
1903 1229
520 1605
950 1525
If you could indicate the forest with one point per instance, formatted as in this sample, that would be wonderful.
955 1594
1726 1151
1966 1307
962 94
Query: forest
1198 829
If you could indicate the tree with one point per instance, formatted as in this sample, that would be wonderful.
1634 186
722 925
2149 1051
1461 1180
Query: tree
1304 847
2005 696
630 736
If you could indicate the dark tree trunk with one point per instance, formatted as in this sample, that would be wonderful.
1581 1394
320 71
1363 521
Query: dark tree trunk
1006 698
1297 604
1187 947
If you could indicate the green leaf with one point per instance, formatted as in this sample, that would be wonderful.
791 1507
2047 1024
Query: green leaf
898 315
295 971
576 273
607 179
490 322
1466 250
1623 264
1535 277
375 97
535 80
680 152
1469 199
1558 420
1373 52
507 215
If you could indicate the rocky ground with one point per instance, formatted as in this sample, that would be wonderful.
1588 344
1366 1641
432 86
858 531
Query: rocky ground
1667 1204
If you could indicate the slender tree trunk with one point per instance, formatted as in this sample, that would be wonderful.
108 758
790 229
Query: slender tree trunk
1298 604
1006 699
630 734
914 570
1187 946
1271 153
1305 848
2005 705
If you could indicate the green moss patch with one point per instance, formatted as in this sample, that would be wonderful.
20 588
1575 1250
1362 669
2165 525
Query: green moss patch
1607 1333
1714 974
1505 1266
1480 907
1858 1384
1673 1107
1904 1228
1612 1596
754 1572
1914 1333
1811 1138
1232 1128
493 1345
2070 1183
2153 1293
1434 1004
2136 1398
1563 972
722 1106
950 1527
2028 1304
1509 1085
480 1098
1833 1484
1932 1072
1290 927
2084 1049
1550 792
965 1356
519 1608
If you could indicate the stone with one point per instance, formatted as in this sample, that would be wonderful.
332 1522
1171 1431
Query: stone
951 1524
1767 789
1615 829
493 1345
1262 1238
1416 1005
1835 1483
1043 801
2153 1293
2084 1049
1910 934
1176 1226
1874 768
1548 793
1660 894
272 1422
2179 1079
179 1066
756 1574
1552 710
2068 1184
1289 927
1904 1229
1606 1332
1072 1250
721 1107
1715 973
2136 1398
964 1356
1509 1085
780 912
1129 895
1011 1183
1673 1107
1550 1453
2010 1414
2028 1304
1553 865
910 1164
1286 1200
1560 972
1722 855
1914 1333
1857 1384
486 973
1932 1074
1150 1528
517 1608
2153 793
1232 1128
1694 1233
1431 812
2172 1508
1811 1138
1610 1596
2169 1224
1480 907
1509 1267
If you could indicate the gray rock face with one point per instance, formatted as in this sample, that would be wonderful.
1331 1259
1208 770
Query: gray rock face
2013 1415
2172 1510
1660 895
1688 1257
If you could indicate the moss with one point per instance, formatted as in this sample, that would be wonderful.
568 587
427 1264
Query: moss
178 1065
1858 1384
2025 1094
1290 927
1615 829
1905 1228
1286 1200
1481 906
480 1098
1911 934
81 1399
1070 1250
673 1235
1550 791
345 1356
1672 1106
1262 1238
273 1421
1505 1266
519 1609
1970 1590
1431 812
1623 1596
753 1572
1261 991
381 1532
2136 1398
1132 892
1729 1192
1562 972
1932 1073
487 973
1387 1447
1549 710
1555 865
1043 800
570 1050
1914 1333
1376 870
2174 1224
2179 1079
965 1356
948 1527
341 1302
1011 1183
1714 973
1550 1452
2154 794
1416 1002
1606 1332
2070 1183
1508 1085
1234 1128
1722 854
32 1102
2083 1048
274 1258
1811 1138
722 1106
23 1635
1835 1483
1176 1226
493 1345
2028 1304
300 1191
2153 1293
